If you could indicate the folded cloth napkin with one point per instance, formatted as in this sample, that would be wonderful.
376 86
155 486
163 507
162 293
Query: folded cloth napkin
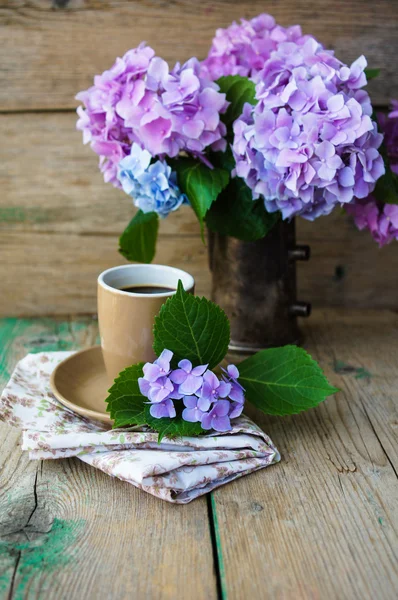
177 470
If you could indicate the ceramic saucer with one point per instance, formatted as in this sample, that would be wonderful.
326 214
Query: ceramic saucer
80 383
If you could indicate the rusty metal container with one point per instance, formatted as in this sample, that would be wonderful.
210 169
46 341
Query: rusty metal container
255 283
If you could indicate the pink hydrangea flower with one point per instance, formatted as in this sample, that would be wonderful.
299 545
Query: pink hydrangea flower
141 100
242 49
381 221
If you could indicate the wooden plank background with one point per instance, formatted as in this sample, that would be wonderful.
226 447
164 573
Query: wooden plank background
59 222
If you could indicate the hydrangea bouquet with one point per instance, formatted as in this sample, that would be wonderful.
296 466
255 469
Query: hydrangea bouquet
270 125
181 394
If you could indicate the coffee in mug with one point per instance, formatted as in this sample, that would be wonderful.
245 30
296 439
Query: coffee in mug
129 298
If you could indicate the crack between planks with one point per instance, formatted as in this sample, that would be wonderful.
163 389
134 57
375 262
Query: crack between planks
215 538
19 554
13 576
378 439
35 497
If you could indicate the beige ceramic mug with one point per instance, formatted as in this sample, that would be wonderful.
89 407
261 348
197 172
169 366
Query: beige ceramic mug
126 319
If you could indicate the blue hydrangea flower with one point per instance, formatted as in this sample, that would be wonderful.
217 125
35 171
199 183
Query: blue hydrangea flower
153 186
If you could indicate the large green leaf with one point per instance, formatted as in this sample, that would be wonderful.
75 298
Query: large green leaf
175 427
238 90
223 160
236 214
126 404
192 328
283 381
138 241
200 183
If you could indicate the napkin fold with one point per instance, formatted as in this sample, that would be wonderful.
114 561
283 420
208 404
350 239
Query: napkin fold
177 470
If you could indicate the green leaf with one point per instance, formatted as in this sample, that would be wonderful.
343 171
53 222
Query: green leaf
126 404
138 241
238 90
236 214
200 183
284 381
175 427
386 189
192 328
223 160
372 73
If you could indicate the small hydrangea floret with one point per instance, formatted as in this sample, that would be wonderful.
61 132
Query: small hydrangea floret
200 395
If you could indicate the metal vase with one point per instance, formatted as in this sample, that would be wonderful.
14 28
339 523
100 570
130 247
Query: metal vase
255 283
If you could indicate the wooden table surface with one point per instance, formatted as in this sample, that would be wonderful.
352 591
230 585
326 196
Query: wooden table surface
321 524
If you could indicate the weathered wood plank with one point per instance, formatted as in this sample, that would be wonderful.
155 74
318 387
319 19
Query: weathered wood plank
323 523
69 531
56 274
50 182
47 55
59 225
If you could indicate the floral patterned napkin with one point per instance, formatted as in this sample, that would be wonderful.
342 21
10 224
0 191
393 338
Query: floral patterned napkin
176 470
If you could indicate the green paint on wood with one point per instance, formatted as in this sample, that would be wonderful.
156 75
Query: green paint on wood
343 368
22 336
220 559
9 330
21 214
41 556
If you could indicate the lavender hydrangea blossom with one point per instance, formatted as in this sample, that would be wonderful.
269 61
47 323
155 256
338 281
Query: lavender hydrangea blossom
140 100
309 144
380 220
242 49
201 396
369 213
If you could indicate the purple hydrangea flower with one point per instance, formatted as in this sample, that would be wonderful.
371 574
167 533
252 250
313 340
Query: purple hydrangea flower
394 110
237 393
159 368
205 398
188 379
380 220
164 409
389 126
140 100
213 388
195 409
153 186
217 418
309 144
242 49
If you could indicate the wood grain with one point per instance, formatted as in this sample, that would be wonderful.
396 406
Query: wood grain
45 273
323 523
59 225
69 531
48 52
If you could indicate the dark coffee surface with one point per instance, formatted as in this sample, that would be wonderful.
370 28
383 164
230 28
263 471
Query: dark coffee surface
147 289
